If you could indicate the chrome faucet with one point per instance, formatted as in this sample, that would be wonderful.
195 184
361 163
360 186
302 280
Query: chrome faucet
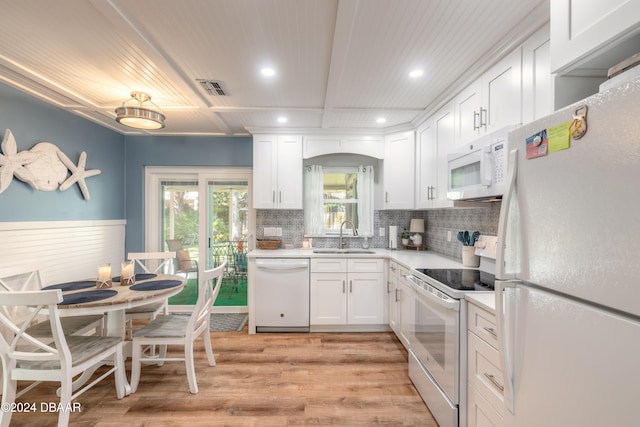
353 228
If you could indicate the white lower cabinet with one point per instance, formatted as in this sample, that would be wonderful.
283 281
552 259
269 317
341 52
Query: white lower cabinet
347 292
485 388
406 304
479 412
392 292
401 301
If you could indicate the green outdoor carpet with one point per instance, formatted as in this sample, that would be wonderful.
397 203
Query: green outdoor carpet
228 296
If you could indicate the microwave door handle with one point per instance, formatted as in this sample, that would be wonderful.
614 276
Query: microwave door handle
486 166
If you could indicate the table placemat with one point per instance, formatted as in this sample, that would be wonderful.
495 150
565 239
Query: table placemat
87 296
72 286
139 276
155 285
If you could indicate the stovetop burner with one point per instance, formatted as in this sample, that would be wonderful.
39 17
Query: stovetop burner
461 279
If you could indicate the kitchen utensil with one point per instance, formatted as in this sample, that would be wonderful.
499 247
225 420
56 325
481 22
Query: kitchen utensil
461 237
474 238
466 238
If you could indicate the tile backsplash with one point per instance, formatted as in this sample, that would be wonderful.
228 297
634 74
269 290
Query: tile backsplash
437 223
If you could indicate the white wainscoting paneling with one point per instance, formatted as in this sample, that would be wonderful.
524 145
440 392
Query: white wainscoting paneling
63 250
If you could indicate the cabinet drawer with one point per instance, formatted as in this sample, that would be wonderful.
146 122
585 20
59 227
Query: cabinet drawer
479 412
484 371
365 265
483 324
328 265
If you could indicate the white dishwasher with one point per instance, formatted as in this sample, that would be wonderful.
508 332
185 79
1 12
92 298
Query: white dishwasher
282 295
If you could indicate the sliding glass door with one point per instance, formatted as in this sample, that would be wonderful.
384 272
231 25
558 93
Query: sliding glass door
204 215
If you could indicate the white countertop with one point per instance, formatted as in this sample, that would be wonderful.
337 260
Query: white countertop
410 259
486 300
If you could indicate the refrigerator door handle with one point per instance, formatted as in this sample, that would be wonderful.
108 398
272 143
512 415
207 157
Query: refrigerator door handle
504 342
504 214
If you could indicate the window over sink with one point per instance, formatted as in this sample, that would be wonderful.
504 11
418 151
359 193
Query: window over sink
334 194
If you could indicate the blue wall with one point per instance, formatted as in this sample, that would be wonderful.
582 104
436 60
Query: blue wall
118 192
144 151
32 121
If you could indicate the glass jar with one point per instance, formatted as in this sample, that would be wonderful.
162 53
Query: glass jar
365 243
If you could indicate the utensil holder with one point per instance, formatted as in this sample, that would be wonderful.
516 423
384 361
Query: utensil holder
469 258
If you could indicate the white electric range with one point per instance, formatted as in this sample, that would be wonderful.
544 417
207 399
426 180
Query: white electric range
438 339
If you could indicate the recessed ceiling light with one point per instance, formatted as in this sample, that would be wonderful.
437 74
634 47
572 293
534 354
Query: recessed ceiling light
282 119
268 71
381 120
416 73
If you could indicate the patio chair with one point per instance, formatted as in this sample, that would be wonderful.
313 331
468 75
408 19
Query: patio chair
238 255
24 278
150 263
28 358
181 330
184 264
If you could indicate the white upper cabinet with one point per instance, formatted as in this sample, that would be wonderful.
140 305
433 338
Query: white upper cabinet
435 140
398 173
537 81
426 164
502 93
469 113
277 172
491 102
366 145
583 30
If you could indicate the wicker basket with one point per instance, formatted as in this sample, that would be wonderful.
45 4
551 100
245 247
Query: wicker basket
268 244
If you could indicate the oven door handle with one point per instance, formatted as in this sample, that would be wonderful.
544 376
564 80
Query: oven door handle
446 302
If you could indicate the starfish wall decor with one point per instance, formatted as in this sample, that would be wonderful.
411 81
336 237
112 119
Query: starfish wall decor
45 167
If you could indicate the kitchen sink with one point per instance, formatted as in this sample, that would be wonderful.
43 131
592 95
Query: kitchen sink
342 251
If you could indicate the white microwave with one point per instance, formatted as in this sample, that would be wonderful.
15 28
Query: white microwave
478 170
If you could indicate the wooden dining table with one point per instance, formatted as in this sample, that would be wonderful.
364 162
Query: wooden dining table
79 299
123 297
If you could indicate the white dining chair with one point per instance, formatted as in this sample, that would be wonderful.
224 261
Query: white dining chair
26 278
28 358
181 330
150 263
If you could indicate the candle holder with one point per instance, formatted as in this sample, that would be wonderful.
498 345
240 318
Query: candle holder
128 275
104 276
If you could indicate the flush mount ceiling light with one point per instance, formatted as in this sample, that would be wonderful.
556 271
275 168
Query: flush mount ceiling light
381 120
138 116
416 73
268 72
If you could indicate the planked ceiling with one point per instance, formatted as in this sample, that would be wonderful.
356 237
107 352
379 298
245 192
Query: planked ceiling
340 64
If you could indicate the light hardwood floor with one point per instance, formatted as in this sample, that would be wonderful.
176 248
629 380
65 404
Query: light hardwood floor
267 379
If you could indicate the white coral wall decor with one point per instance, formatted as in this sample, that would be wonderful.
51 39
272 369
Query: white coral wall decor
44 167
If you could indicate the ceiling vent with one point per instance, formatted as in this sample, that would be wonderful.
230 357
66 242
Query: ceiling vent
213 87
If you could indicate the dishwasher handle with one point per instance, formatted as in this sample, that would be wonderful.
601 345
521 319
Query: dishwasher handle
280 266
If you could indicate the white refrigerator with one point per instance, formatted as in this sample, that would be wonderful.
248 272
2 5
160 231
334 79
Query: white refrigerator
568 267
